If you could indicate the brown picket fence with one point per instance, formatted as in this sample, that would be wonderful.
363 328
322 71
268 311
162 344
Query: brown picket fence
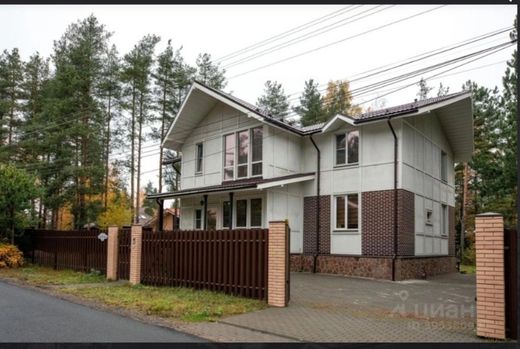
79 250
123 253
230 261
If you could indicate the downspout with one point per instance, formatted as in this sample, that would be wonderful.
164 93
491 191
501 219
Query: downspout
395 197
318 225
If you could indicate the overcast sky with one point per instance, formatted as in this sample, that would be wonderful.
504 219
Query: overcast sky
221 30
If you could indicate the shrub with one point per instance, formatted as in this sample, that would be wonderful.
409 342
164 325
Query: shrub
10 256
468 256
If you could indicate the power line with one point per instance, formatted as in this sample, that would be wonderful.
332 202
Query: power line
337 42
285 34
414 59
307 36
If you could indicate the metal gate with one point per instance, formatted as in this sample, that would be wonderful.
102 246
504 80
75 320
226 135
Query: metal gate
511 276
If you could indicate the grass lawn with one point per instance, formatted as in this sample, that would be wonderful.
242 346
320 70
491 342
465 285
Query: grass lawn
467 269
170 302
41 276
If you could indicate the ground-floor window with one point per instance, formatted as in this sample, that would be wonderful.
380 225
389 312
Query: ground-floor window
248 213
211 219
241 221
198 219
226 214
346 212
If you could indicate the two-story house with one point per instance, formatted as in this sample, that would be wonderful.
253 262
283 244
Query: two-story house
371 195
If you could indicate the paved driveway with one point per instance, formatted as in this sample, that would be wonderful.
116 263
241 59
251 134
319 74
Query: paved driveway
338 309
30 316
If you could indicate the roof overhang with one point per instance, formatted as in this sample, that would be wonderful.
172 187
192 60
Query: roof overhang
282 182
197 104
336 122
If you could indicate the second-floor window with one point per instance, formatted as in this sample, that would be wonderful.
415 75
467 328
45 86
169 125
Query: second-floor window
347 148
199 156
243 154
444 166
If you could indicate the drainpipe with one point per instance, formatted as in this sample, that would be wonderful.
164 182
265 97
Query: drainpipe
395 197
318 226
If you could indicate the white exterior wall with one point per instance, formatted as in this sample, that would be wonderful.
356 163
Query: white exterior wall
423 139
221 120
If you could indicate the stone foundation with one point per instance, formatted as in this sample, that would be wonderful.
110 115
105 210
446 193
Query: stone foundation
375 267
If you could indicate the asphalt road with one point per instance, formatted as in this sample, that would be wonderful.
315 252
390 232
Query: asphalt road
31 316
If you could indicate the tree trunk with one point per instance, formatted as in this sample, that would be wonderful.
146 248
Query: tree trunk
107 151
138 189
132 172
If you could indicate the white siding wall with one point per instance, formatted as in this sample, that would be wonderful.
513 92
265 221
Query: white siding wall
221 120
423 139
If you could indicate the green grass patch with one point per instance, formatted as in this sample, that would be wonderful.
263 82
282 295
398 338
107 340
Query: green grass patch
467 269
40 276
170 302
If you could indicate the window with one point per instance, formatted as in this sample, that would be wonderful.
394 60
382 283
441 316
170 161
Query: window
229 156
444 220
444 166
199 158
256 161
256 212
353 147
340 149
198 219
248 154
347 148
241 213
243 152
226 214
347 212
429 217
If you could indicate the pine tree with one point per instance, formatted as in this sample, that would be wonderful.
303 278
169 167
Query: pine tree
442 91
338 100
210 73
311 105
274 100
78 58
149 205
110 94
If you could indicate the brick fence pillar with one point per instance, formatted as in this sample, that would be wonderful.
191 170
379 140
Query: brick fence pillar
112 248
278 264
135 254
489 244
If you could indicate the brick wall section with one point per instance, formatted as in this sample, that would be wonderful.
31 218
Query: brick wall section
136 240
309 224
277 264
489 244
112 249
423 267
406 223
451 231
378 221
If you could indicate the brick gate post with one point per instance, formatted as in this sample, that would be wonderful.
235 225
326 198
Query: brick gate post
278 264
489 244
135 254
112 249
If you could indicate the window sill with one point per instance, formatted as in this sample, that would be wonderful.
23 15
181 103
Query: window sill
346 165
198 173
345 232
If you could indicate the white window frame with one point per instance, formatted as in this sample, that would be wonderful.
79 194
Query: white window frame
201 144
261 213
250 161
248 212
334 215
345 133
235 216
